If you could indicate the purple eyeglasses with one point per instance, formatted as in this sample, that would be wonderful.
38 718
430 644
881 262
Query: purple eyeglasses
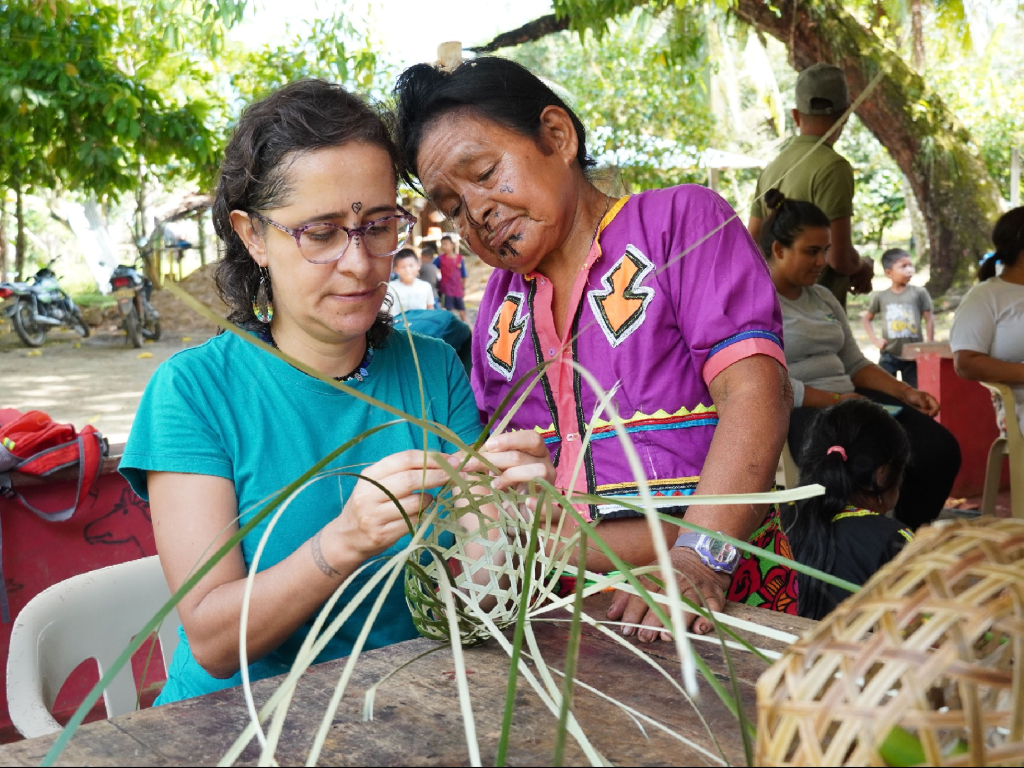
324 243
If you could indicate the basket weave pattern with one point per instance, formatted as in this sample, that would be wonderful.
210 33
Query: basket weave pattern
493 582
932 645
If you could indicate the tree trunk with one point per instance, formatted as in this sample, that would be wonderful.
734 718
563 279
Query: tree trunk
19 242
201 226
917 35
954 192
3 235
532 30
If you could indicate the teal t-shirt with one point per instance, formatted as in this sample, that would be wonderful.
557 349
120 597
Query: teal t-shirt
228 409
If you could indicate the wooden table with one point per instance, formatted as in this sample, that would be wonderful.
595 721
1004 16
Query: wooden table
417 719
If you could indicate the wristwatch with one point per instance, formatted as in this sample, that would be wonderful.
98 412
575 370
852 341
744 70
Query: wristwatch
717 555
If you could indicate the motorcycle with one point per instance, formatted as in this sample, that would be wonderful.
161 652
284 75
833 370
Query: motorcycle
133 291
39 305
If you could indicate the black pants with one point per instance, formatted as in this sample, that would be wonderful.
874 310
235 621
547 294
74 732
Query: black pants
907 368
934 461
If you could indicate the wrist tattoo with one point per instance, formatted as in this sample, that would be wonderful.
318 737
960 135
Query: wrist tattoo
318 556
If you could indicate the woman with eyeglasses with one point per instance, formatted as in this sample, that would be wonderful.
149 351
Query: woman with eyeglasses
306 208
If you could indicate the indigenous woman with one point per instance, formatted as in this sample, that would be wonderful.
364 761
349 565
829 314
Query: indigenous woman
661 296
306 207
827 367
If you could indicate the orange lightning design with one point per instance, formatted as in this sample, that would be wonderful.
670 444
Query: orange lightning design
506 334
622 305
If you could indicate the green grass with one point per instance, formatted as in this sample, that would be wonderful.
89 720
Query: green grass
93 299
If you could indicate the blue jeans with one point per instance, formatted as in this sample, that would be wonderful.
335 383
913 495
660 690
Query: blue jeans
907 368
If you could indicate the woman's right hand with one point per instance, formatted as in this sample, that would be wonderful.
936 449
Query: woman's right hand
370 522
922 401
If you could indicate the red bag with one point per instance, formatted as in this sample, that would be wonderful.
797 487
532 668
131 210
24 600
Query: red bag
34 444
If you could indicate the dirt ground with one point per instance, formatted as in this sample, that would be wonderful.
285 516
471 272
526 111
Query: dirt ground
96 381
100 380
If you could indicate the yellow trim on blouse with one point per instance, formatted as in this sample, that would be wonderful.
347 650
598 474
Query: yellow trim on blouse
861 512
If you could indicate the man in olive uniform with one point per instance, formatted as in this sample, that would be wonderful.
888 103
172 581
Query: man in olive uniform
816 173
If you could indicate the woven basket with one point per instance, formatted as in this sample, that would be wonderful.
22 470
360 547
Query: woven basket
926 658
500 593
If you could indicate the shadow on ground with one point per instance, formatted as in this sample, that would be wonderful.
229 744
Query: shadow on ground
97 381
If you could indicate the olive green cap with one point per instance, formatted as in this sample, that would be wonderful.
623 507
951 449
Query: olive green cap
821 90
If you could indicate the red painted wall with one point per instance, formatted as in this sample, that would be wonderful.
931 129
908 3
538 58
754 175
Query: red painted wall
967 412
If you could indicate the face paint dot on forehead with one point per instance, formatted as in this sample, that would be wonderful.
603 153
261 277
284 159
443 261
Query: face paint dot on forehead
357 207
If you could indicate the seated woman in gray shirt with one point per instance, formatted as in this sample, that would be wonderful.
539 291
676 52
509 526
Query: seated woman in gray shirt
826 365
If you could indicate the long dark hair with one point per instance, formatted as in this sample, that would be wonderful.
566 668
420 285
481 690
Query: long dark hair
1008 238
786 220
495 88
871 439
300 117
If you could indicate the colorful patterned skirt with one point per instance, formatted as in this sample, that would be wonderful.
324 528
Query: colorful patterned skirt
760 582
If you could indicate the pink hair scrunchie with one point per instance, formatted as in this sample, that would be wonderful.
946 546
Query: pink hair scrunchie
837 449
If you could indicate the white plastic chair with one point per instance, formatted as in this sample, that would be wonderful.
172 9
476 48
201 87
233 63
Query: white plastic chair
1009 444
787 475
91 616
790 471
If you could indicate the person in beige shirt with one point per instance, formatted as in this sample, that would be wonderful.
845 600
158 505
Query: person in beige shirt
809 169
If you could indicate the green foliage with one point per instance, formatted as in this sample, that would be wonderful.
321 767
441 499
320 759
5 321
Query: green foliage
328 50
985 90
73 117
879 200
645 107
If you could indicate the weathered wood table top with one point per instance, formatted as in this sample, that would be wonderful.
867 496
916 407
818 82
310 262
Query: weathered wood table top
417 719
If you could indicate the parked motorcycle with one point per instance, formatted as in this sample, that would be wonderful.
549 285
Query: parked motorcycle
39 305
133 291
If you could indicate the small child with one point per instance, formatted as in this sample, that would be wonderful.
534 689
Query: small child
858 452
428 272
905 306
453 277
408 291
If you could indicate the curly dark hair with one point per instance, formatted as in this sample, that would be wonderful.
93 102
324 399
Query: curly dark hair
300 117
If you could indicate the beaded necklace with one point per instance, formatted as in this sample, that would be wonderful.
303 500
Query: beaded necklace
360 373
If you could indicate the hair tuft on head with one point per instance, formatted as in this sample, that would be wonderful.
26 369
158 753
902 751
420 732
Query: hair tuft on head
786 220
1008 239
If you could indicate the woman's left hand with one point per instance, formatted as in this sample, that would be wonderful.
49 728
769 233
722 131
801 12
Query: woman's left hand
920 400
520 456
695 580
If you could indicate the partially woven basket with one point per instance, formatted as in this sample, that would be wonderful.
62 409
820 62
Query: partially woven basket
492 583
923 664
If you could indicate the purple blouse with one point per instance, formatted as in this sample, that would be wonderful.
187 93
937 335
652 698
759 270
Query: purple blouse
673 291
